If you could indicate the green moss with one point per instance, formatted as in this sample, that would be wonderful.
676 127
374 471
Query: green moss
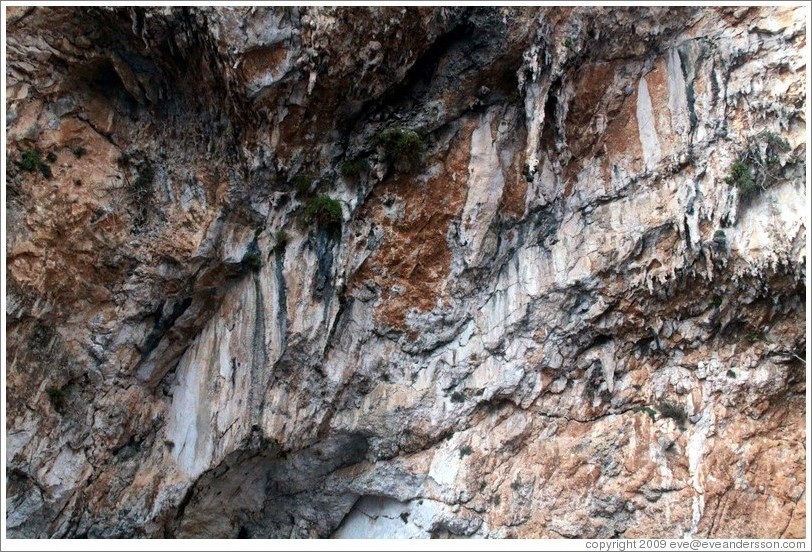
354 168
569 44
324 211
717 301
731 374
403 146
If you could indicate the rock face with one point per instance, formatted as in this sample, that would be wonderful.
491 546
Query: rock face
564 296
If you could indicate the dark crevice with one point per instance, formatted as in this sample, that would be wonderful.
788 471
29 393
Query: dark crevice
687 231
347 514
420 74
258 354
688 74
105 80
162 323
323 285
282 299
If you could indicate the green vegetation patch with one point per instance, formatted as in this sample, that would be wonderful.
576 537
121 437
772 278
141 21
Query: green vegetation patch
673 411
31 161
404 146
759 164
354 168
281 238
324 211
646 410
302 183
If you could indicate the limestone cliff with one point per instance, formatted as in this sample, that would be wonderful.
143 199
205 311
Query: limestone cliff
425 272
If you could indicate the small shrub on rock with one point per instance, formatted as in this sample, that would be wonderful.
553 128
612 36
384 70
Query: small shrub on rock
401 146
675 412
324 211
252 260
354 168
741 176
302 183
282 238
30 160
759 164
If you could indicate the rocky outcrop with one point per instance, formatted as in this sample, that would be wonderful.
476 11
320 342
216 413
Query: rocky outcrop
564 296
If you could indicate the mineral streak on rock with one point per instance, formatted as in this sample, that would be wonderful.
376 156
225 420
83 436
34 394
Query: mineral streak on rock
406 272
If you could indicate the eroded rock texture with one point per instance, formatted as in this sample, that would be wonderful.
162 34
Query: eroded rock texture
551 307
